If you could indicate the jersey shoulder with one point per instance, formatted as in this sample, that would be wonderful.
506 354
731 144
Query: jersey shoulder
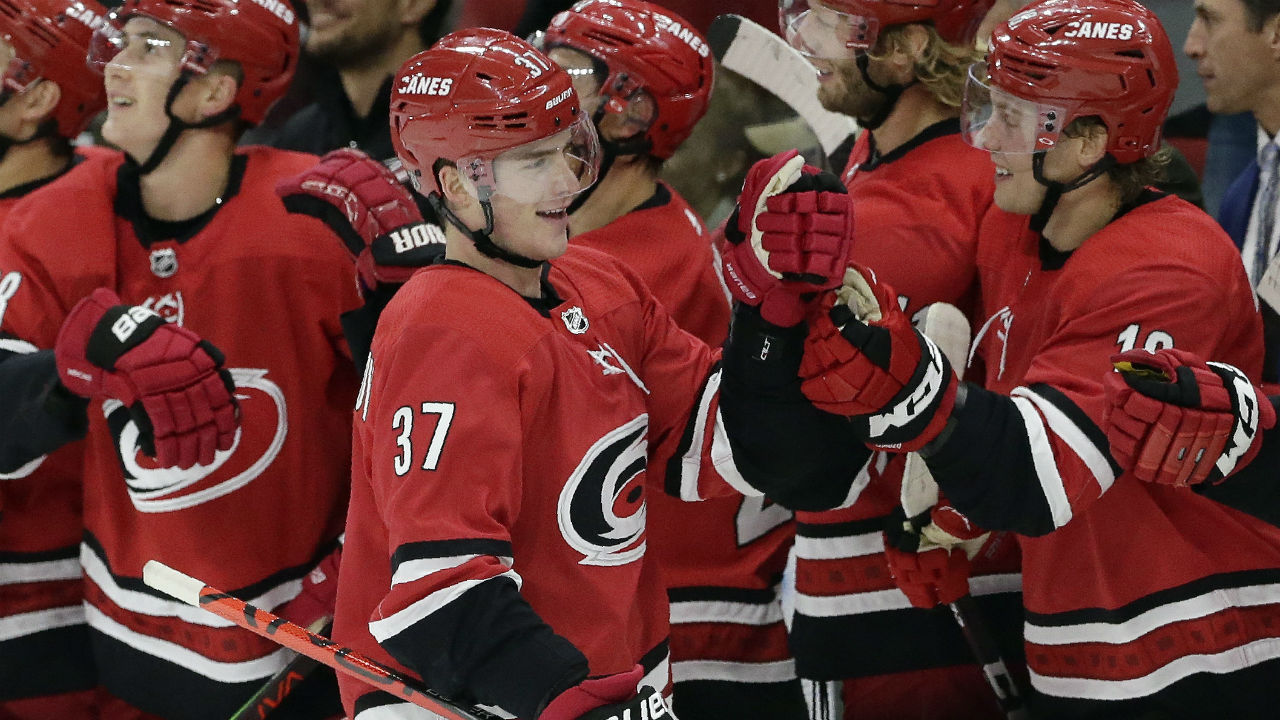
71 216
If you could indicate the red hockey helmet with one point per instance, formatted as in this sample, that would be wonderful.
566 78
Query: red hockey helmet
1065 59
481 97
50 39
260 35
840 28
644 48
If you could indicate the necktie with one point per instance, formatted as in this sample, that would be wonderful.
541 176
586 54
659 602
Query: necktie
1266 201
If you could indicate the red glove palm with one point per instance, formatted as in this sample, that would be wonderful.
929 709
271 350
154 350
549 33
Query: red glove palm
319 594
863 358
929 554
610 696
172 381
789 236
1175 420
372 213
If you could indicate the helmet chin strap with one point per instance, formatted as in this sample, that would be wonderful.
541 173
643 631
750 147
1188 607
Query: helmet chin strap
176 126
1057 189
610 151
483 242
891 93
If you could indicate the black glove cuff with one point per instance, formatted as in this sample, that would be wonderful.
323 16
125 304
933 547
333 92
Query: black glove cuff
108 342
762 355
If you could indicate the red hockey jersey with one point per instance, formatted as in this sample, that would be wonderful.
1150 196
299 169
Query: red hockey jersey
267 288
721 559
917 213
505 440
1136 588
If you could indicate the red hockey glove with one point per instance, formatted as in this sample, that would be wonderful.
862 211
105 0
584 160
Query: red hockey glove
929 554
173 382
863 358
788 237
611 696
1174 419
316 601
371 212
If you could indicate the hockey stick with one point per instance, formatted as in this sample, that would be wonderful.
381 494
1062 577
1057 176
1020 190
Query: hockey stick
949 329
278 686
764 58
343 659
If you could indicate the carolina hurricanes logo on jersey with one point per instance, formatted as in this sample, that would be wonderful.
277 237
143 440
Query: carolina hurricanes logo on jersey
601 509
264 425
168 306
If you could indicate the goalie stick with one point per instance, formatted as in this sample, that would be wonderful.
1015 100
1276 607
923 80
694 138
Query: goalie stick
949 329
297 638
764 58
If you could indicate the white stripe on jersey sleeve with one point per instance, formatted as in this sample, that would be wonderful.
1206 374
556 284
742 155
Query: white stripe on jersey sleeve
30 623
725 611
396 623
414 570
1055 491
1091 455
737 672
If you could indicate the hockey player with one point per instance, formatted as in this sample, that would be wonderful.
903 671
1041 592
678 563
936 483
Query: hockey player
521 395
1140 600
919 192
47 98
151 280
645 78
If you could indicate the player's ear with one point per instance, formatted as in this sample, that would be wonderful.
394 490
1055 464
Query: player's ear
413 11
217 89
39 101
458 191
1093 145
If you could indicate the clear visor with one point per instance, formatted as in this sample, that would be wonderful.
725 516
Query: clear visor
631 108
820 32
552 170
144 45
995 121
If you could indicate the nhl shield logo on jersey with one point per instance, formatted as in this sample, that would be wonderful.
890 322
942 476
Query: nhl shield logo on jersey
164 262
574 320
601 509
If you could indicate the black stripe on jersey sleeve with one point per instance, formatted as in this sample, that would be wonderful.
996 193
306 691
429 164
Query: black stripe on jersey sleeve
797 455
671 483
37 414
489 645
986 469
1078 417
428 549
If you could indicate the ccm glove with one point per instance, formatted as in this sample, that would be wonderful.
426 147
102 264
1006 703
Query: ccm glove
173 382
929 554
372 213
1173 419
612 697
864 359
788 237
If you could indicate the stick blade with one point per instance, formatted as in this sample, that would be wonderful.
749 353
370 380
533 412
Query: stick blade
171 582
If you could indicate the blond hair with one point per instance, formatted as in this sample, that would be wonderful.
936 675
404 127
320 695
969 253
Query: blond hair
942 68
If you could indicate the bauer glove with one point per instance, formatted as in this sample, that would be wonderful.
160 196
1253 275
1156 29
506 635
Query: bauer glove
788 237
172 381
371 212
